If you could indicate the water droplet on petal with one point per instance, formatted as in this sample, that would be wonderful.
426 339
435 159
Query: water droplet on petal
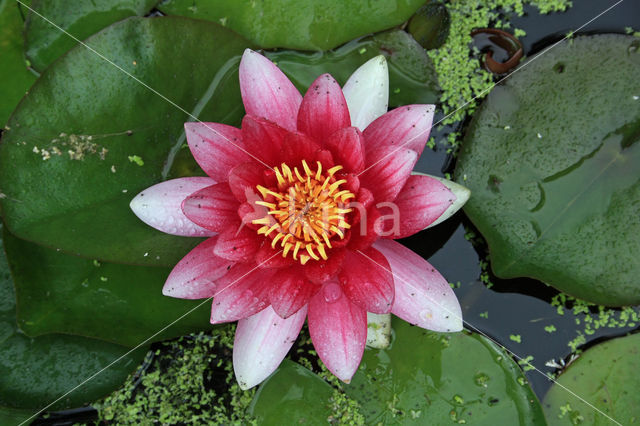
331 292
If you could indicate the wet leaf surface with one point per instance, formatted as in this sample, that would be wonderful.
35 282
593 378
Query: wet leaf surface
606 377
298 24
554 169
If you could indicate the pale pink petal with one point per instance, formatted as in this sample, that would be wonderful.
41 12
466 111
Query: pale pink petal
347 148
408 127
238 244
263 139
423 297
261 343
195 275
388 168
291 291
159 206
421 201
213 207
367 92
367 281
461 193
338 330
267 92
242 292
323 110
216 147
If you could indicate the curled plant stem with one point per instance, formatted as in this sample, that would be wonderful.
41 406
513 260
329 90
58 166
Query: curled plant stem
508 42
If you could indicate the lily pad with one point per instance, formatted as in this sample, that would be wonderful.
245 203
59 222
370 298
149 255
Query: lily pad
606 377
38 371
412 78
124 304
45 43
423 378
89 137
553 161
298 24
427 377
15 78
294 395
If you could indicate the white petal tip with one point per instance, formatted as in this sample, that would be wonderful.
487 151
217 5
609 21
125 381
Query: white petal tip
367 92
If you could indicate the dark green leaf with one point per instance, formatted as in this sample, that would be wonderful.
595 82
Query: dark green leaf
37 371
435 378
15 78
606 377
13 417
60 293
412 78
553 164
73 135
294 395
430 25
298 24
45 43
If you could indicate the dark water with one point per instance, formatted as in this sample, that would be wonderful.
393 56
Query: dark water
512 307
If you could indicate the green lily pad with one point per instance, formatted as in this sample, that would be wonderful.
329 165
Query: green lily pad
553 163
38 371
298 24
294 395
412 78
434 378
15 78
77 135
423 378
44 43
606 376
124 304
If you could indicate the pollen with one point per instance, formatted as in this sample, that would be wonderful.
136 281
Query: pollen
306 211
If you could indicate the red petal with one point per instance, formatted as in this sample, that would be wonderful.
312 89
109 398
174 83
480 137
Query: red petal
388 168
263 138
325 158
338 330
323 110
290 291
244 178
268 257
267 92
347 147
297 147
365 233
194 276
238 245
321 271
421 201
367 281
407 127
216 147
213 207
242 292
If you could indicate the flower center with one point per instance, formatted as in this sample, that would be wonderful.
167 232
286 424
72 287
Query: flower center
305 212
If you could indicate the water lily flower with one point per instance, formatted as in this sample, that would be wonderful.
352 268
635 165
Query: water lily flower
301 207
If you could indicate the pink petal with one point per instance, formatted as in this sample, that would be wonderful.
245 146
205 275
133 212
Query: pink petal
242 292
291 291
159 206
388 168
263 138
268 257
244 178
423 297
407 127
338 330
347 147
216 147
267 92
261 343
238 244
367 281
322 271
213 207
323 110
195 275
421 201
